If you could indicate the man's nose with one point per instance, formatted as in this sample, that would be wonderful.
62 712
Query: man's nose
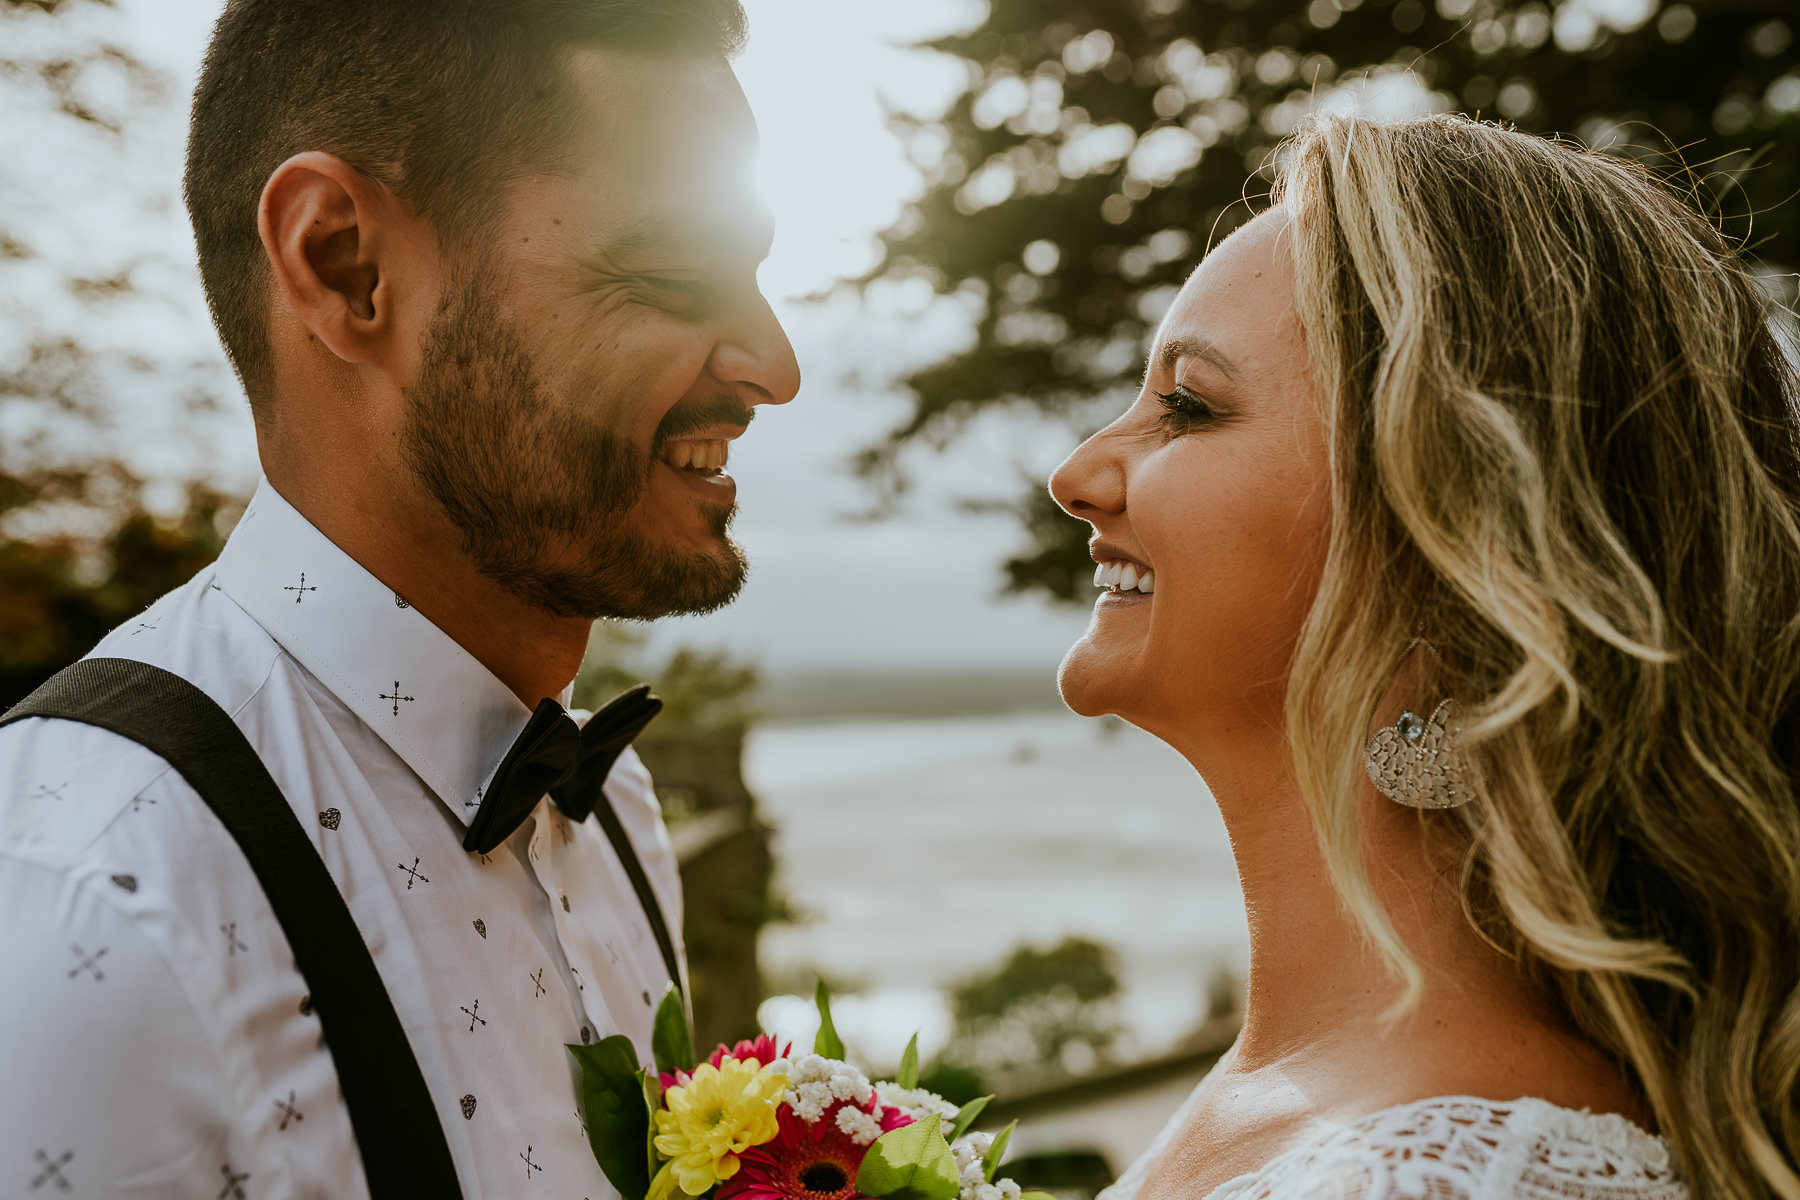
756 353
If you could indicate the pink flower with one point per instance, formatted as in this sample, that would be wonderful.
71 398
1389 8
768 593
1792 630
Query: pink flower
762 1052
804 1161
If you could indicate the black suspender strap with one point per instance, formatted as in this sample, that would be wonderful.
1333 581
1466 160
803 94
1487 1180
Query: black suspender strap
640 882
403 1147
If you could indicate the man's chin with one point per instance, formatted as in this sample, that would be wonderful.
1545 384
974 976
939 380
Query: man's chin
634 578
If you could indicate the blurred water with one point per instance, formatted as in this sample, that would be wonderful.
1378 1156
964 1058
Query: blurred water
921 852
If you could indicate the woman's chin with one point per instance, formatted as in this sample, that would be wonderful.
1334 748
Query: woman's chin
1084 681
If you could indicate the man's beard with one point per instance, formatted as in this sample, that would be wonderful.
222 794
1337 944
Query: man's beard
542 497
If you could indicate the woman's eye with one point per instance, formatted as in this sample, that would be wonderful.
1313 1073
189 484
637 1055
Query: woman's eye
1182 410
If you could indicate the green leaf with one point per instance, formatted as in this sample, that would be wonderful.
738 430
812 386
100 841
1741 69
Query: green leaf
671 1038
910 1163
652 1101
908 1074
1036 1196
828 1043
990 1162
614 1104
965 1116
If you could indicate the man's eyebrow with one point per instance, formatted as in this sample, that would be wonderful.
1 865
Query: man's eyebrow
658 232
1195 346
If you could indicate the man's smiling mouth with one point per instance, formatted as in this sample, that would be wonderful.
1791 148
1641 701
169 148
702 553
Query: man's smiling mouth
705 456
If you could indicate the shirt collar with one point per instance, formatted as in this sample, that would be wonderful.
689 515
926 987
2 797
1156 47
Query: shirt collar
439 709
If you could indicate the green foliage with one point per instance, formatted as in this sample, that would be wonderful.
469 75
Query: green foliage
908 1074
910 1163
1099 147
62 591
1041 1009
828 1043
671 1037
614 1104
1081 969
965 1116
957 1082
990 1162
699 689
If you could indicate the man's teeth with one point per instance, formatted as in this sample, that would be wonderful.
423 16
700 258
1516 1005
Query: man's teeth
698 456
1124 577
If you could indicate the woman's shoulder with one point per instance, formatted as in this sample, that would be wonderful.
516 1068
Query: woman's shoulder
1467 1148
1461 1148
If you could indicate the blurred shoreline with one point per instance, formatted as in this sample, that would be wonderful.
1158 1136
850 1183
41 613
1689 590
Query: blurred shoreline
918 851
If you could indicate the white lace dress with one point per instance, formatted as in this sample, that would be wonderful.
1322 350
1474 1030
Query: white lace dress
1455 1148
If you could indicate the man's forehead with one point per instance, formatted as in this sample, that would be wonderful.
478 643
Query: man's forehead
666 145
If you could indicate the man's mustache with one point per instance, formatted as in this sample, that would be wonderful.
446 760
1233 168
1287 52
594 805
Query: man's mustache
701 414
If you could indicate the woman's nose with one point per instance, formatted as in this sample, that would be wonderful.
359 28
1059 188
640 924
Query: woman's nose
1091 481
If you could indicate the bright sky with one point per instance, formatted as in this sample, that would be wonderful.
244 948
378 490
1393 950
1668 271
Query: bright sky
918 590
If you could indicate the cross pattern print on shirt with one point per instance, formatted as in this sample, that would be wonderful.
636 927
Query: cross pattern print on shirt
46 792
234 1183
395 696
413 874
288 1112
146 627
537 981
88 962
232 945
475 1016
529 1165
300 589
50 1170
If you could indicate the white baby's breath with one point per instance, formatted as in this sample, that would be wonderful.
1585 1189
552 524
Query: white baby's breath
815 1083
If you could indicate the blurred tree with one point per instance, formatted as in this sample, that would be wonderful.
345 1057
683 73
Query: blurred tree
1099 146
80 549
1041 1010
700 689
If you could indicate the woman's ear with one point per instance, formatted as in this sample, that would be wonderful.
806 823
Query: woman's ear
327 230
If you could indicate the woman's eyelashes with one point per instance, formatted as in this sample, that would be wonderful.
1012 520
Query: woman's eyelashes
1183 411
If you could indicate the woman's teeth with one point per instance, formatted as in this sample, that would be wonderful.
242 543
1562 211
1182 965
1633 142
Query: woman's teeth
1124 577
697 456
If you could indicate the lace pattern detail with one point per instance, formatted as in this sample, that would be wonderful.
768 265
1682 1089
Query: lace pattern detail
1461 1148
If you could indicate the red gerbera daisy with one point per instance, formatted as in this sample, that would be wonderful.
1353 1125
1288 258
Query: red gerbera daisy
805 1161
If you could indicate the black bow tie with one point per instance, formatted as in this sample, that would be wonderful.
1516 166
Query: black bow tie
557 756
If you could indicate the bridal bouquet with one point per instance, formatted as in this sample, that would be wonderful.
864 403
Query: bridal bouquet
755 1121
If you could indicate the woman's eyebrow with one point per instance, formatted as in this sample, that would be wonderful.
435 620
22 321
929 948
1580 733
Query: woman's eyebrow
1191 345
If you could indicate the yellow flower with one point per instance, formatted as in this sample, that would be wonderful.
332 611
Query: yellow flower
707 1122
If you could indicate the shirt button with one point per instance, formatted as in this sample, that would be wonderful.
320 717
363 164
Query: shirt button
587 1035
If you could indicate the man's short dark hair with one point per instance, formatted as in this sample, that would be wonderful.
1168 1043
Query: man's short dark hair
441 101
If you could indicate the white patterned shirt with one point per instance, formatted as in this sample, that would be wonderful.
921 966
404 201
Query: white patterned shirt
159 1041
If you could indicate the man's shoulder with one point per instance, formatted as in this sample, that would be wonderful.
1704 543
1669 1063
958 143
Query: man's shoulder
63 783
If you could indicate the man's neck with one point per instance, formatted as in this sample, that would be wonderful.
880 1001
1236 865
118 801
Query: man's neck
412 548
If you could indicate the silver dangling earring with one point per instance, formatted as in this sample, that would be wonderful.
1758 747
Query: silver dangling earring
1416 762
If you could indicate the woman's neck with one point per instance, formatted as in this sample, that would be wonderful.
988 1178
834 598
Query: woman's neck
1318 992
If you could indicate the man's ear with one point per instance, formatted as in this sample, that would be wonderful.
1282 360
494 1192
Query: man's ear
330 235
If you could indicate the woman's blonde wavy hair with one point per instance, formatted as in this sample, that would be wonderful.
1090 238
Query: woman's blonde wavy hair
1564 445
